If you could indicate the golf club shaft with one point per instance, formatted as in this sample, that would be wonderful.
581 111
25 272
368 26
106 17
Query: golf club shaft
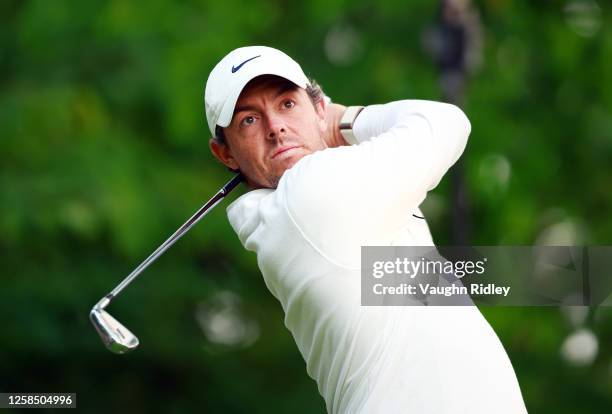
227 188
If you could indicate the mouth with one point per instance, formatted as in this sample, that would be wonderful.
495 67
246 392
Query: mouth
283 150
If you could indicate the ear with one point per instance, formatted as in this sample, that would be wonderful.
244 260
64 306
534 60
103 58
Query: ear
223 153
321 110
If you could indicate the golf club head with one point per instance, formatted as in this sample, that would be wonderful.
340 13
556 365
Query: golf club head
116 337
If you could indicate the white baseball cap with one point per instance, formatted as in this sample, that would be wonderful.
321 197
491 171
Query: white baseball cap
235 70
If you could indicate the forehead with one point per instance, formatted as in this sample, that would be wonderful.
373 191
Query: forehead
266 85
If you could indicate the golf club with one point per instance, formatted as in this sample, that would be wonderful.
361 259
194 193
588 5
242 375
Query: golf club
115 336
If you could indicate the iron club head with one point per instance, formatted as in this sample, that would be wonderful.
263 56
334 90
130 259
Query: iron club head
116 337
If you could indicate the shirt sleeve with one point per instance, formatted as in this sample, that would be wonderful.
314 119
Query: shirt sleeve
350 196
445 123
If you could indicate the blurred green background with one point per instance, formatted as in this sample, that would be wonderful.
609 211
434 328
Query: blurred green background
104 153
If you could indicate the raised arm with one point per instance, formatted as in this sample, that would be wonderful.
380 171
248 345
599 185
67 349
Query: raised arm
365 192
435 130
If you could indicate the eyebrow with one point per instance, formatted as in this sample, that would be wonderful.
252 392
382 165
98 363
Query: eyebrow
283 88
243 108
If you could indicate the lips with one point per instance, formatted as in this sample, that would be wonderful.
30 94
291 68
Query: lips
284 149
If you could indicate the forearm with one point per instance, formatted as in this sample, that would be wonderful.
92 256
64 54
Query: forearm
442 126
446 121
434 132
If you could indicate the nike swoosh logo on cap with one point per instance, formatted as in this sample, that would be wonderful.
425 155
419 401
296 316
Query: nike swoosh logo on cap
237 68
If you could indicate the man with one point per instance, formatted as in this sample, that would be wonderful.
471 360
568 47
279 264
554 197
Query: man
315 200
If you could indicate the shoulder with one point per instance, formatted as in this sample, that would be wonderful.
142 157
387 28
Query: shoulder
244 212
316 183
328 202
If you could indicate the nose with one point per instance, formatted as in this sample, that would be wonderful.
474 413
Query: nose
276 127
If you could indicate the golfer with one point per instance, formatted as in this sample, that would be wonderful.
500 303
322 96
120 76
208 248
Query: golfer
325 180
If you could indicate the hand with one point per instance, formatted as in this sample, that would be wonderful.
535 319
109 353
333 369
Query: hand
333 114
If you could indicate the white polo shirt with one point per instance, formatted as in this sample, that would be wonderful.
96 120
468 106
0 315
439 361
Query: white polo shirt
307 235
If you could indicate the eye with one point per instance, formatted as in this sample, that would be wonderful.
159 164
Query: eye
288 104
247 120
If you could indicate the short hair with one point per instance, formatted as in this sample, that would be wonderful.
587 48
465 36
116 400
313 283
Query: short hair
313 90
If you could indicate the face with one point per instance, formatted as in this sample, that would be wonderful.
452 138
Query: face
274 125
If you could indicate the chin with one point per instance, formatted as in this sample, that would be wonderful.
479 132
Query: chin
291 160
287 163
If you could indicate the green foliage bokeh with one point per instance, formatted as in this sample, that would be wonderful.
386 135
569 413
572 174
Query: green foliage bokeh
104 153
